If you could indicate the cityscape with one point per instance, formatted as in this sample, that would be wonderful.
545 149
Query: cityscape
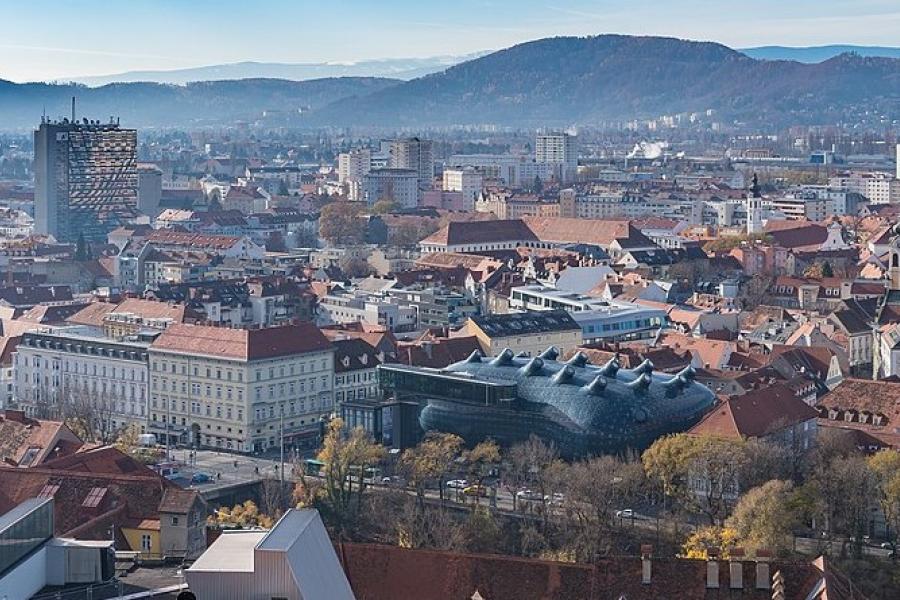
528 310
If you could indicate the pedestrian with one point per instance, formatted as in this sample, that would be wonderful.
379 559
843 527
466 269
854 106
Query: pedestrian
256 470
218 476
235 464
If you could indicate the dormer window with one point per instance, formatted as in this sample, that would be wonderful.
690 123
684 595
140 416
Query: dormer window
364 359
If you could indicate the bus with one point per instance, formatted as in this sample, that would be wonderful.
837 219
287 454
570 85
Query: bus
314 468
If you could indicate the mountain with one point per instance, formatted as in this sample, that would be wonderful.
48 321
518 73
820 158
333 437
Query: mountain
567 80
395 68
815 54
552 82
160 105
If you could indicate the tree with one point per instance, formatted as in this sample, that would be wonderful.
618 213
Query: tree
535 466
595 489
341 224
82 250
353 266
538 185
242 515
384 206
481 460
721 539
283 188
755 291
275 242
430 461
885 466
766 516
346 455
704 475
691 271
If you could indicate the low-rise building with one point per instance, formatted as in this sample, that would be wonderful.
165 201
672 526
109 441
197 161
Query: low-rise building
241 389
63 371
600 320
529 333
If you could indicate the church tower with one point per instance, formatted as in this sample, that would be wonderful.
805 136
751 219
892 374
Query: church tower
753 204
894 259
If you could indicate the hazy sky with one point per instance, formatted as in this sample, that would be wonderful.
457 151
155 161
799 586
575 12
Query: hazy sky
48 39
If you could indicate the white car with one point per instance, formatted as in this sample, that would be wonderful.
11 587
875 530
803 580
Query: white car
625 514
529 495
556 499
457 484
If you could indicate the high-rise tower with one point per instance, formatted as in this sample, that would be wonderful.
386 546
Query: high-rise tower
85 178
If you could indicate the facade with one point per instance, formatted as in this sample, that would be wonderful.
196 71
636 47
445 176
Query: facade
436 306
353 166
468 181
59 369
558 149
400 186
416 154
230 388
294 560
526 333
86 179
149 190
355 380
878 188
583 409
31 558
600 320
343 309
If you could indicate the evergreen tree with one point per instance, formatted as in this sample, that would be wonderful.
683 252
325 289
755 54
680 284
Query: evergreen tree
80 248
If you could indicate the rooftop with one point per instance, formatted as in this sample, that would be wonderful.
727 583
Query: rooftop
526 323
242 344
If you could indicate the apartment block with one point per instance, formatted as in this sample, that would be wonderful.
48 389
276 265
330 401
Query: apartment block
239 389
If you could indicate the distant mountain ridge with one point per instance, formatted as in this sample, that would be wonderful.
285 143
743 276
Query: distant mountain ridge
816 54
394 68
589 80
158 105
552 82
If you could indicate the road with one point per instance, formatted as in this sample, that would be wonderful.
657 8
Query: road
227 469
220 466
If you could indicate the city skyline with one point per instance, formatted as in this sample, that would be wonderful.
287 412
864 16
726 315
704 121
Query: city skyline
171 35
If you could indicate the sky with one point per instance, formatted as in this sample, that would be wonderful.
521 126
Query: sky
44 40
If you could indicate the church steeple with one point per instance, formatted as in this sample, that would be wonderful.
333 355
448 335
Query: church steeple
754 208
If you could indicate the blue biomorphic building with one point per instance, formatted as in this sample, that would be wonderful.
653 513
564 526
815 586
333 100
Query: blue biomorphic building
582 408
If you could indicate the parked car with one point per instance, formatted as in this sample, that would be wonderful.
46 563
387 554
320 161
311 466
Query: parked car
200 478
457 484
476 490
557 499
529 495
625 514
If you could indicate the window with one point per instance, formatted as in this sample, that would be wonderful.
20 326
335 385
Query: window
175 521
146 542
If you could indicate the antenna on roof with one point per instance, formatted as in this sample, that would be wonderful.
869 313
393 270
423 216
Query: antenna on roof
73 109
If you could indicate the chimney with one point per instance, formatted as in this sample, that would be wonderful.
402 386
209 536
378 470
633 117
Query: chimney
14 415
712 569
646 565
763 557
736 569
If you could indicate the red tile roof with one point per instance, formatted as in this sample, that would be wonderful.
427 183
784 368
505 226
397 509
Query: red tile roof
600 232
481 232
755 414
388 573
28 442
242 344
